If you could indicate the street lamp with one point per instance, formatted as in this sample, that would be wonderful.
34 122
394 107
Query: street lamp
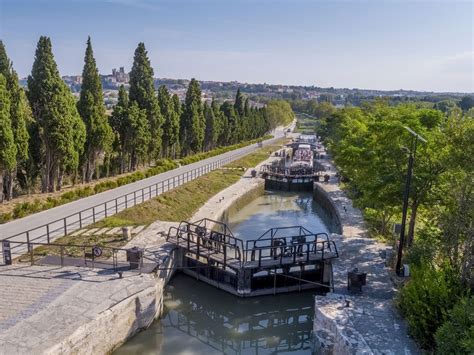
413 145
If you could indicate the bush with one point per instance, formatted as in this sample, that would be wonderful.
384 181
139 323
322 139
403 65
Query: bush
426 299
456 335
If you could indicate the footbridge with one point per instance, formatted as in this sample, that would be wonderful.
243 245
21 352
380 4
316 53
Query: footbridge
280 260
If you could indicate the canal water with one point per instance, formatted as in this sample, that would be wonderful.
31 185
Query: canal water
199 319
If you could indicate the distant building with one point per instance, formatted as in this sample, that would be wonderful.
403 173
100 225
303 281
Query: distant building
117 78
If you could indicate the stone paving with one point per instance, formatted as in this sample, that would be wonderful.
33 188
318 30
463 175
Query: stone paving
371 324
42 305
107 231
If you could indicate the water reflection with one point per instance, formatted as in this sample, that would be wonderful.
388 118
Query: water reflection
279 210
199 319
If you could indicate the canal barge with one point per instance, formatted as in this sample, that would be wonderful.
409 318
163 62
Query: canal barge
296 169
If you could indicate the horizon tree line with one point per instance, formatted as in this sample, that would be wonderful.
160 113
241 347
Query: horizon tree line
47 135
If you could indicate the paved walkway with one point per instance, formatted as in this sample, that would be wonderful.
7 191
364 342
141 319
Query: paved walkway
371 323
43 305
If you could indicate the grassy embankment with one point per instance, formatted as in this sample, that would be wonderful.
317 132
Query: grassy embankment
176 205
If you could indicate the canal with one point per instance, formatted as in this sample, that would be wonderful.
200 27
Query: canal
199 319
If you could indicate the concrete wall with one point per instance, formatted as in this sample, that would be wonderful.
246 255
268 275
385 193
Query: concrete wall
118 323
327 203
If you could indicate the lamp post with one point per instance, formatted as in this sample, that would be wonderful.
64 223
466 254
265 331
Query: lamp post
406 195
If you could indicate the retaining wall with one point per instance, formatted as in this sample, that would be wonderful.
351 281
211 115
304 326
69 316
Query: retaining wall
326 202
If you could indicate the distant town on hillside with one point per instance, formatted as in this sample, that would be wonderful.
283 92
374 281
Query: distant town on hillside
260 93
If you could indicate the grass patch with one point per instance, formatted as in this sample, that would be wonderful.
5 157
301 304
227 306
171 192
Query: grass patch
72 250
182 202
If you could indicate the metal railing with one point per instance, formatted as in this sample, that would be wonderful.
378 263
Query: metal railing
77 220
111 259
204 241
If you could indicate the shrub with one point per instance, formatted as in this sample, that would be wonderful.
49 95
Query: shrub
456 335
426 299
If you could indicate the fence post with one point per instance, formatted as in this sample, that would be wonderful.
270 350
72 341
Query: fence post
47 233
65 226
93 214
116 206
80 220
149 189
105 209
126 201
28 240
134 198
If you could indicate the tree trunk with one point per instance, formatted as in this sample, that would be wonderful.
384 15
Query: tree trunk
60 179
1 186
89 171
411 225
10 178
52 174
45 173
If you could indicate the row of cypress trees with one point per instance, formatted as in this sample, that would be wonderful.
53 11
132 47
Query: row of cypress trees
45 133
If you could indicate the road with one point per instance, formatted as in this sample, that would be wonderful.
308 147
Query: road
45 226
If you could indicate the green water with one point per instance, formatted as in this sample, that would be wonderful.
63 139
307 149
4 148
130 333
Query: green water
199 319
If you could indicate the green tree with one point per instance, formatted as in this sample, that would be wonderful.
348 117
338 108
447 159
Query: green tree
210 136
466 103
142 91
7 143
192 125
239 104
279 112
171 122
177 108
232 121
120 125
20 114
92 110
140 135
58 125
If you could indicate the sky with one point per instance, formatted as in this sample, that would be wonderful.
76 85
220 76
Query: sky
423 45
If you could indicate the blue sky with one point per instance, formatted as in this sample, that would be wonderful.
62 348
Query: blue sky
380 44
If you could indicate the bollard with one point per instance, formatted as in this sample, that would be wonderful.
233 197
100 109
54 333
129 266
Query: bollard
126 232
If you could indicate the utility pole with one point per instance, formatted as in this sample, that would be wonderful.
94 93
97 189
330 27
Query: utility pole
406 195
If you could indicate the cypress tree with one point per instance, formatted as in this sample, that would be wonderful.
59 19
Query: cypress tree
7 143
119 123
177 108
232 123
140 135
59 127
142 91
239 103
210 133
220 124
171 121
19 116
92 110
192 125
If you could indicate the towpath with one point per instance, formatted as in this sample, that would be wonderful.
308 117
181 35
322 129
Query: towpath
371 324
